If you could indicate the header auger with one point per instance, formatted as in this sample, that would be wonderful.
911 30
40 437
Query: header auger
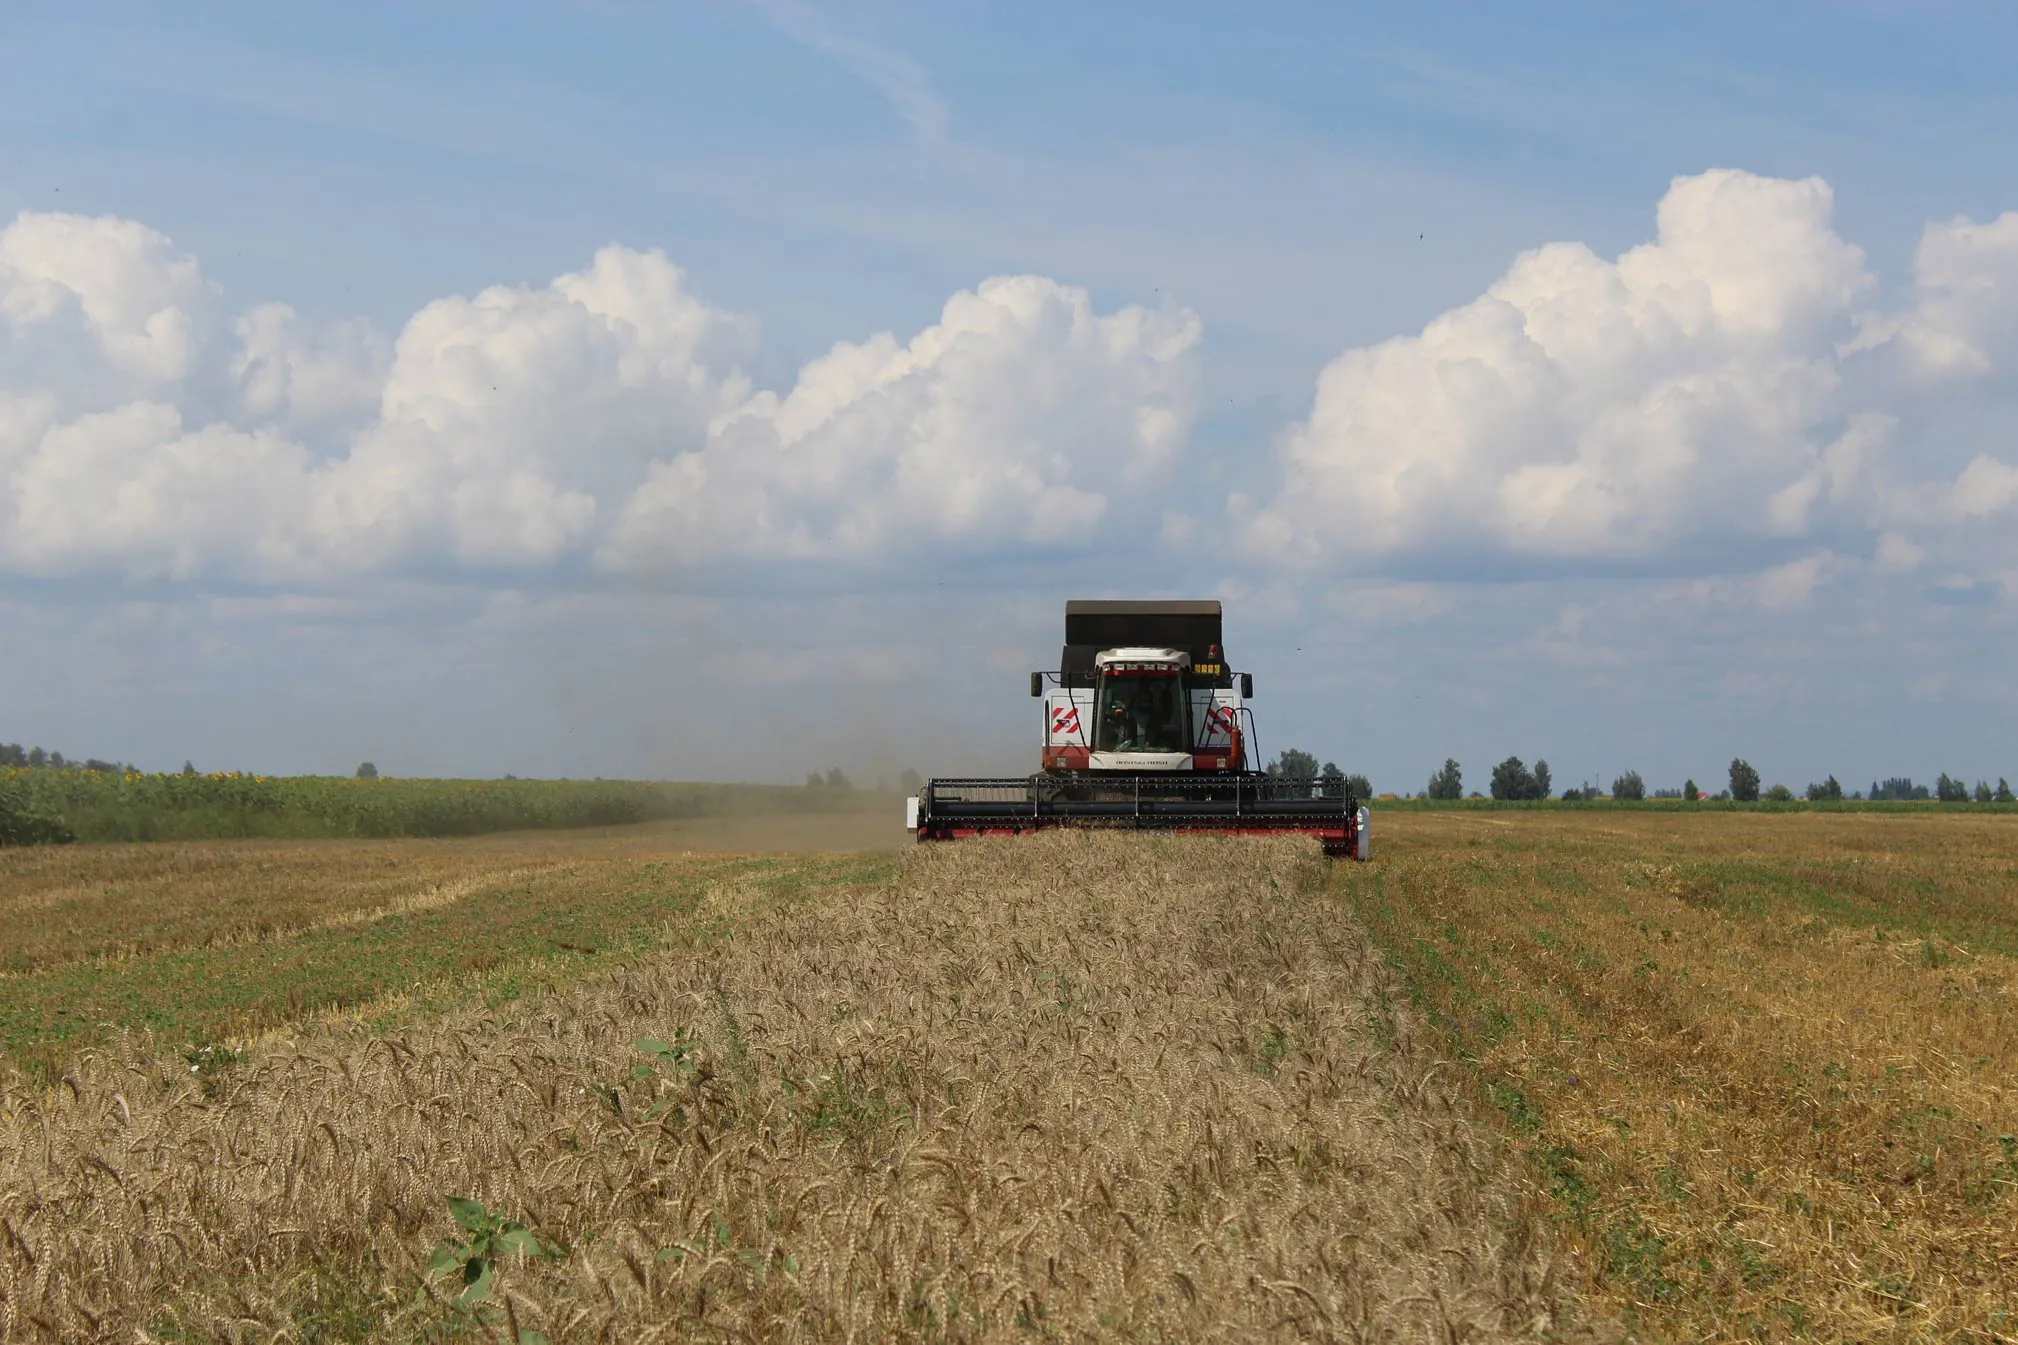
1146 727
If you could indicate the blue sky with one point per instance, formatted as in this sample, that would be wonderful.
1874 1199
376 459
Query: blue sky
1273 188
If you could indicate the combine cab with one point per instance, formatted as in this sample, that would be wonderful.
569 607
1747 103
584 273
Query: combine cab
1146 727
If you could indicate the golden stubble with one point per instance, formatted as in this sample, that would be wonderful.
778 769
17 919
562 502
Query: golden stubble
73 903
1770 1090
65 904
1071 1086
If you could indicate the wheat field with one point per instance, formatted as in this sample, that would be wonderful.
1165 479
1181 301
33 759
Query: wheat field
1076 1087
1655 1074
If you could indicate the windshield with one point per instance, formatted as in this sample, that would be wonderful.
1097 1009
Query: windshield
1142 712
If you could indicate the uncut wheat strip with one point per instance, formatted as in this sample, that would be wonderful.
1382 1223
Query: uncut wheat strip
1036 1118
1040 946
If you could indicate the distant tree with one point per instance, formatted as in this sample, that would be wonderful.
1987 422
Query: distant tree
1950 791
1899 787
816 781
1512 780
1744 781
1629 786
1542 787
2004 794
1573 795
1447 783
1780 794
56 761
1983 794
1690 792
1331 774
836 780
911 782
1361 787
1293 765
367 771
188 768
1829 790
37 757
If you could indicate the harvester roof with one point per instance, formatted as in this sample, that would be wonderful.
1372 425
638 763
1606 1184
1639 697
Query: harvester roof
1094 624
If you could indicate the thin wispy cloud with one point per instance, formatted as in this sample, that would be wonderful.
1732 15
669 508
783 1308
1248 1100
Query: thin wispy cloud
902 82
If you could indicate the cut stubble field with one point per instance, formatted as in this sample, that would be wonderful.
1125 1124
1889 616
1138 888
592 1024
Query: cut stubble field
1761 1069
1532 1074
203 941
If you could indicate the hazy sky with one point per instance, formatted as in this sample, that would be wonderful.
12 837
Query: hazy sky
733 390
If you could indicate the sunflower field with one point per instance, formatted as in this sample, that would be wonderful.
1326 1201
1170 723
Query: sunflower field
131 806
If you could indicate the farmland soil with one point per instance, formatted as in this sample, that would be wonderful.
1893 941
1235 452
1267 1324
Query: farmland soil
1064 1087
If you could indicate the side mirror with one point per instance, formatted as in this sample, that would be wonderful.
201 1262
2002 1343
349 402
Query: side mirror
1247 686
1037 684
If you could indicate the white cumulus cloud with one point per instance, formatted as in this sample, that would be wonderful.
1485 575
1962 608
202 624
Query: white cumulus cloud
604 415
512 423
1708 391
140 301
1725 398
136 493
1965 321
313 379
1020 417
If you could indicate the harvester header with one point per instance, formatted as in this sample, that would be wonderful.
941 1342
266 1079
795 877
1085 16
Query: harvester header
1146 727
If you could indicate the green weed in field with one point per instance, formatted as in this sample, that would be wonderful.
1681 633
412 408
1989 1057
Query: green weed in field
469 1263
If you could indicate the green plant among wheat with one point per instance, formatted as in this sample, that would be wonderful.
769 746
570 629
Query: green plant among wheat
469 1263
668 1061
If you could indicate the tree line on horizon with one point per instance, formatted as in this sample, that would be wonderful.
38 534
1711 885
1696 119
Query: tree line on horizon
35 759
16 757
1511 779
1296 764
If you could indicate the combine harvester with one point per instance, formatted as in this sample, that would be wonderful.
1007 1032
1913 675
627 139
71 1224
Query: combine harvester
1146 728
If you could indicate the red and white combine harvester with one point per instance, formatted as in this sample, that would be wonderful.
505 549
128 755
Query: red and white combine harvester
1146 727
